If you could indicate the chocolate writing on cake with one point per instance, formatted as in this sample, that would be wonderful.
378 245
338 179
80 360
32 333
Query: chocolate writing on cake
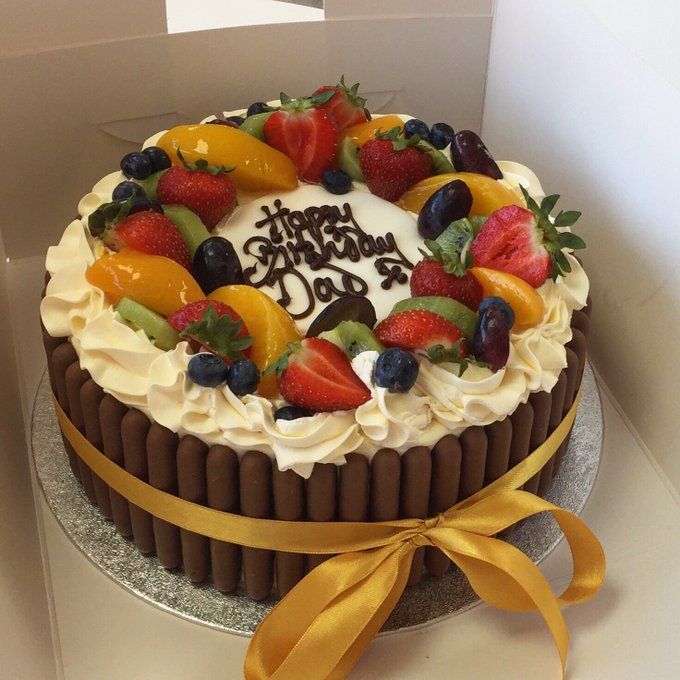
322 237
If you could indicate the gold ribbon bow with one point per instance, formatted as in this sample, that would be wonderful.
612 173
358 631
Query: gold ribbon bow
323 625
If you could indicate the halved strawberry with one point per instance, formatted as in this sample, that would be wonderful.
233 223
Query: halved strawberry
316 374
216 327
149 232
346 106
525 242
430 277
418 329
305 133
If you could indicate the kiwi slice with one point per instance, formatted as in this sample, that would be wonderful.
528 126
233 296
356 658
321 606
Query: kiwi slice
189 224
254 125
150 184
440 162
458 314
353 338
160 332
348 159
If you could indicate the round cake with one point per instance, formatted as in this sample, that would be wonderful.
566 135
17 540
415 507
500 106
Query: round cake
305 312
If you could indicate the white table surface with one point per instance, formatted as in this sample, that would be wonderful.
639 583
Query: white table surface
629 631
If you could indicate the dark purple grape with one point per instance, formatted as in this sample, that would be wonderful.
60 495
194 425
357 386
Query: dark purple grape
231 121
491 342
500 304
216 264
346 308
469 154
450 203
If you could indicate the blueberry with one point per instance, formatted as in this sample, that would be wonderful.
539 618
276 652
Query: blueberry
491 342
142 203
136 165
416 127
158 158
292 413
243 377
207 370
124 190
257 107
396 369
500 304
336 181
441 135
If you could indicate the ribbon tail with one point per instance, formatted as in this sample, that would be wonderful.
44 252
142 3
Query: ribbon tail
324 624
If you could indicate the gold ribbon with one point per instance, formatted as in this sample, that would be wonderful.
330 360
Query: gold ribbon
321 627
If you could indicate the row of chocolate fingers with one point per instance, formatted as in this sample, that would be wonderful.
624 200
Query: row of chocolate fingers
418 483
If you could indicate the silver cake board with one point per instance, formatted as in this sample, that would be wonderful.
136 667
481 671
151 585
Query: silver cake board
424 603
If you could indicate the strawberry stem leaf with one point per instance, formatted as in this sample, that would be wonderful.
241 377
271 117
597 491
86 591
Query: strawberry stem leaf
108 215
219 334
202 164
281 364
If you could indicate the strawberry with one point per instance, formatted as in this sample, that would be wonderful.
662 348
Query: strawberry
215 326
345 107
317 375
429 277
525 242
149 232
391 163
305 133
205 189
419 329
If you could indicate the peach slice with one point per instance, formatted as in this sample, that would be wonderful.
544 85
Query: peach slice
362 132
156 282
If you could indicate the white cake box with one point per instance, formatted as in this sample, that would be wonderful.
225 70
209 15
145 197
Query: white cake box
548 84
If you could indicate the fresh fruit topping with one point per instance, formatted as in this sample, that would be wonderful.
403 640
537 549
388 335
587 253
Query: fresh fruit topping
416 127
346 106
345 308
469 154
353 338
136 165
159 331
419 329
216 264
244 377
450 203
430 277
292 413
215 326
452 246
491 343
254 125
154 281
305 133
150 184
488 195
190 226
207 370
494 302
257 166
126 189
149 233
391 163
145 204
205 189
348 159
396 369
525 242
362 133
441 135
336 181
270 325
441 165
458 314
315 374
525 302
258 107
158 158
108 215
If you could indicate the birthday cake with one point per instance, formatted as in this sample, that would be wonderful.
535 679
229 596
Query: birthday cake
305 312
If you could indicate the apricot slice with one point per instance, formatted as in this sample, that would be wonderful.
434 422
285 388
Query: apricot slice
488 195
257 166
362 132
526 303
156 282
269 324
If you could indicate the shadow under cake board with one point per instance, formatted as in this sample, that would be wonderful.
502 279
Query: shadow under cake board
430 600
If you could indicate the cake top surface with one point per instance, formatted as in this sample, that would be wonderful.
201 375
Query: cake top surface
471 283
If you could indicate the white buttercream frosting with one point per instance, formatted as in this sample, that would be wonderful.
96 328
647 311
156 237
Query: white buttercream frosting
128 366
